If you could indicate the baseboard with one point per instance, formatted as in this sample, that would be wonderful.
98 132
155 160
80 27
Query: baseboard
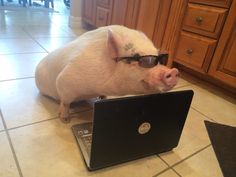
75 22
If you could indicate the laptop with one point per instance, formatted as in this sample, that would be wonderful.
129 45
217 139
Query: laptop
129 128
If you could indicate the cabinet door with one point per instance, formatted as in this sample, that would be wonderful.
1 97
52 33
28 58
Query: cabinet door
120 12
223 66
102 17
88 11
146 19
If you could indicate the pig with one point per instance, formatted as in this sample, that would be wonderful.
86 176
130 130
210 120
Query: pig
92 66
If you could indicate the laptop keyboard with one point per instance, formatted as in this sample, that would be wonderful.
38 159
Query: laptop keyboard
85 134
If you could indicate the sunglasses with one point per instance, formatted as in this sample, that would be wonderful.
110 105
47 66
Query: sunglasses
146 61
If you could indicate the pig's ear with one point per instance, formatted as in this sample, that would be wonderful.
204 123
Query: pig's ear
143 35
113 43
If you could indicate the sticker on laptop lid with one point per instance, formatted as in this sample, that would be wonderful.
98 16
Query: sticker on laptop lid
144 128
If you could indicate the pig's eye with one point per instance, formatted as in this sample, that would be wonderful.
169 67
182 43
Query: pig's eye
127 61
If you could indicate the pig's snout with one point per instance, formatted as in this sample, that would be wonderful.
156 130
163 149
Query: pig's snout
170 77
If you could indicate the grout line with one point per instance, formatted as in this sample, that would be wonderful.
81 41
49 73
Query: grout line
33 123
17 79
53 118
22 53
163 171
170 166
18 53
176 172
177 163
191 155
32 37
203 114
11 146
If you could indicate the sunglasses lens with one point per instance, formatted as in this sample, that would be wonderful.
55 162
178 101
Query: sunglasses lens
163 59
147 61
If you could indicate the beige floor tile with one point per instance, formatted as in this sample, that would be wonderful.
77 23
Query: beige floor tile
13 32
46 31
168 173
73 31
189 78
49 149
22 104
51 44
181 83
24 17
8 167
1 124
203 164
194 137
60 19
214 104
19 45
19 65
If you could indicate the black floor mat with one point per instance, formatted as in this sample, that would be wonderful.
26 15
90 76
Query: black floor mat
223 140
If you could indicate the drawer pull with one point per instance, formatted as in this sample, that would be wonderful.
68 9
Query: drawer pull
189 51
199 19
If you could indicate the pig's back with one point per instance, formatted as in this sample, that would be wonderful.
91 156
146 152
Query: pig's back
50 67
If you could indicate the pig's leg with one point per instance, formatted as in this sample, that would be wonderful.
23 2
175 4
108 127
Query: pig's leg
64 112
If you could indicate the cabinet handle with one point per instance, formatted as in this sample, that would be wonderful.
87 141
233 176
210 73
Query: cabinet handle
189 51
199 19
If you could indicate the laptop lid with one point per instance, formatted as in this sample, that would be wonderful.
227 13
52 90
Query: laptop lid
129 128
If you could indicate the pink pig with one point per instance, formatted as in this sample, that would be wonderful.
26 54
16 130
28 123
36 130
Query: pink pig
93 65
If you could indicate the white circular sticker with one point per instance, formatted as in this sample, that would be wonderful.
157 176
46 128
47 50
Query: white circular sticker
144 128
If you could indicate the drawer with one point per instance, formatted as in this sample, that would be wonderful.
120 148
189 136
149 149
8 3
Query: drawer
219 3
104 3
195 51
102 17
204 20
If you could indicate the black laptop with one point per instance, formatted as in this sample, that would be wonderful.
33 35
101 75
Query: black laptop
128 128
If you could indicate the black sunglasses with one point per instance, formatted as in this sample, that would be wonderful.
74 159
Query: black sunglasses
146 61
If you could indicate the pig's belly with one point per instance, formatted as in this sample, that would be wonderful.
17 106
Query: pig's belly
46 82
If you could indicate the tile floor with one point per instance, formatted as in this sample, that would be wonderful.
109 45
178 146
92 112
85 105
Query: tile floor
35 143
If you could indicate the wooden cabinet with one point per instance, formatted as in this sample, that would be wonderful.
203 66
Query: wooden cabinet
207 40
195 51
149 16
88 11
102 16
204 20
146 19
97 12
103 12
120 11
197 34
223 66
201 28
219 3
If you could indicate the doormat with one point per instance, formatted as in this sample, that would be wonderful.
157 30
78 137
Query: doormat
223 140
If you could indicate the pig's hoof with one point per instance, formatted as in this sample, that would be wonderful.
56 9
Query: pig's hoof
65 119
102 97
